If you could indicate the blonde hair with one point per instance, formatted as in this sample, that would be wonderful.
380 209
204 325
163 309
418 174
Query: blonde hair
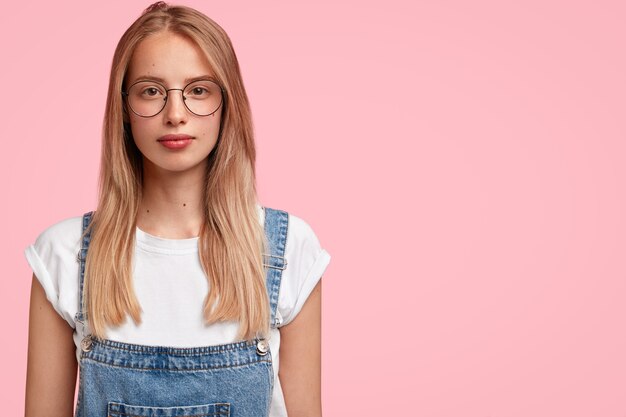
231 242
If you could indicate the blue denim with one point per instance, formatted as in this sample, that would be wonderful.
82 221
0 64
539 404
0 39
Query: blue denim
236 379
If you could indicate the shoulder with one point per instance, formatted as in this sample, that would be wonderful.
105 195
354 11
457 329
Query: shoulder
298 229
301 239
53 259
306 262
61 236
300 235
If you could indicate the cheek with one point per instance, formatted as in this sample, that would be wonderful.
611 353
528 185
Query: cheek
208 126
140 127
216 120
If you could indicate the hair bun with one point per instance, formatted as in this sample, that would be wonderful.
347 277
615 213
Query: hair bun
156 6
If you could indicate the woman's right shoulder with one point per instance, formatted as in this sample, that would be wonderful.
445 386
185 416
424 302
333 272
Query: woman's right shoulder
53 259
63 234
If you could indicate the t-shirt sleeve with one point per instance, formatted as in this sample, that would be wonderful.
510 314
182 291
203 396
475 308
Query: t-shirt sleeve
306 262
53 260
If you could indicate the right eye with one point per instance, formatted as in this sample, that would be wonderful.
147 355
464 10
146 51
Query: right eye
151 92
147 91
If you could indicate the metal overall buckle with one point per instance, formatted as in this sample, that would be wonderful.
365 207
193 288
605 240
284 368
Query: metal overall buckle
262 347
86 343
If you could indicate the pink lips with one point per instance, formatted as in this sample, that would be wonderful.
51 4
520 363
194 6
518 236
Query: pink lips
175 141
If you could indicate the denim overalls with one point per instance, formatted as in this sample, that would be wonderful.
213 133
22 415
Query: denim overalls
236 379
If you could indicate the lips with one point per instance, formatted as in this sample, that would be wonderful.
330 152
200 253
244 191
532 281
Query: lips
175 141
174 137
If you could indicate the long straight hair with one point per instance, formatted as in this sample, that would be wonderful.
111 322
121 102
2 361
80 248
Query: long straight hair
232 241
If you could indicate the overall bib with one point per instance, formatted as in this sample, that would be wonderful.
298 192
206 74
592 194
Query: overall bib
236 379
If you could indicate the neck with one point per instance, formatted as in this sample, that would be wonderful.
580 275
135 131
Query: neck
171 205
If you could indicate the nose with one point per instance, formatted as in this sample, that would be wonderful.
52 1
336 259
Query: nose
175 110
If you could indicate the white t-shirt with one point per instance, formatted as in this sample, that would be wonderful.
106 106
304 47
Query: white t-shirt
171 286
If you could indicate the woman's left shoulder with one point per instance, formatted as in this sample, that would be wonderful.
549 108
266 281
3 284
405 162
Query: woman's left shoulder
301 232
301 238
307 261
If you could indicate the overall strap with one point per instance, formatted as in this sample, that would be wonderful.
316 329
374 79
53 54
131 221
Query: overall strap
276 223
82 256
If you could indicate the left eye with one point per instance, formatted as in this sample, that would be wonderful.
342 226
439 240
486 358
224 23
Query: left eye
198 91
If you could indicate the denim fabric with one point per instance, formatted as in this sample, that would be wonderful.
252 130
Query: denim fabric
234 379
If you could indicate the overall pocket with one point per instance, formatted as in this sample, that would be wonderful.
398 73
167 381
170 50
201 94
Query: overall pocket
115 409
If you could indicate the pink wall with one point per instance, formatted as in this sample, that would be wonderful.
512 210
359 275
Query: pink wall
462 162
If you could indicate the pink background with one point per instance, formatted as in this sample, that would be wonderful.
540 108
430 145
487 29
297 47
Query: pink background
462 162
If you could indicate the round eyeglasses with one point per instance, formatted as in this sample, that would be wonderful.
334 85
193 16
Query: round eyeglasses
148 98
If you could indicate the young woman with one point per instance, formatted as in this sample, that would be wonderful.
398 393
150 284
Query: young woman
218 288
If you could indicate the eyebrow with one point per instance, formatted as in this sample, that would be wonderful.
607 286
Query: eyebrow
161 80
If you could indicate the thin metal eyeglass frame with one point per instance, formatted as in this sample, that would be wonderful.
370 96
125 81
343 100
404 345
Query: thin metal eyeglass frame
167 95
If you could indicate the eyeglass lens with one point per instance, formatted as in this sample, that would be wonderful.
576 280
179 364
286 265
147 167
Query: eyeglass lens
147 98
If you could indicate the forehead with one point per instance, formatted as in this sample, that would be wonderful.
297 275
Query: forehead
169 56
